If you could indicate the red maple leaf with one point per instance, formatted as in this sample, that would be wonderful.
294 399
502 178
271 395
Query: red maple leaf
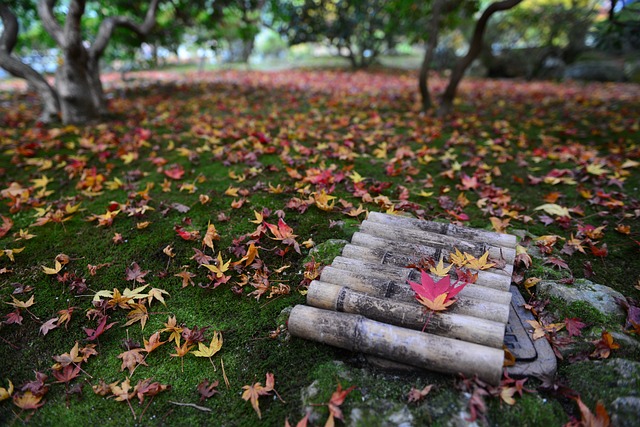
574 326
436 296
175 171
102 328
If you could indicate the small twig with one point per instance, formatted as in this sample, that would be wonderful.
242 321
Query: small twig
192 405
145 409
224 374
15 347
269 302
82 370
131 407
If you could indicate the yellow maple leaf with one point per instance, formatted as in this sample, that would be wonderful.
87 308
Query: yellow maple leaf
210 235
324 201
219 269
553 209
440 269
478 263
231 191
22 304
41 182
6 393
10 252
458 258
157 294
213 348
356 177
54 270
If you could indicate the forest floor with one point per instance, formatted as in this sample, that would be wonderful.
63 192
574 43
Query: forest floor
147 263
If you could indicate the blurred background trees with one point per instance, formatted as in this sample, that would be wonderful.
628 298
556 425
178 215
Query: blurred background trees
537 39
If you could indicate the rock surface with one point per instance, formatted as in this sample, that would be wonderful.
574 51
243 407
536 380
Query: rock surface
600 297
624 411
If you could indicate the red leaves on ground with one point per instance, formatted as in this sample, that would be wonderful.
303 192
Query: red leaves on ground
135 273
93 334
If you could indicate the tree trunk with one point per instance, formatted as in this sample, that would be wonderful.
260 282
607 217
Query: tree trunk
78 82
474 50
432 30
50 105
440 8
75 90
97 92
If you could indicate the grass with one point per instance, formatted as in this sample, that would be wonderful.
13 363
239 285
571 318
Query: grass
305 131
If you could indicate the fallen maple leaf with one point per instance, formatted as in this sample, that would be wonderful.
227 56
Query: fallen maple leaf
149 388
48 325
574 326
55 270
220 267
207 389
604 346
210 235
6 393
600 419
93 334
176 331
416 395
135 273
478 263
335 402
187 277
27 401
254 391
436 296
554 209
153 343
213 348
131 359
440 270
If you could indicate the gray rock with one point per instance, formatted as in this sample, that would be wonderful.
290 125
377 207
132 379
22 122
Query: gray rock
401 418
601 71
624 411
600 297
627 373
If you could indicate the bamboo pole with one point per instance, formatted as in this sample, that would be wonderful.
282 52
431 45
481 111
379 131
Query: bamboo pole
466 328
385 257
357 333
399 274
465 233
420 251
475 301
413 235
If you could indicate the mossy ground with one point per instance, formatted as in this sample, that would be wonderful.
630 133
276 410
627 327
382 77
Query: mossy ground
252 130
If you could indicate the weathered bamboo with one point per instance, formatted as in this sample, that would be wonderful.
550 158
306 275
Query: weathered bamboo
466 328
382 256
414 235
465 233
420 251
494 306
357 333
399 274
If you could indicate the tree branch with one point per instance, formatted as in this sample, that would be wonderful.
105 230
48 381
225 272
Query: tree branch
110 24
49 21
72 25
19 69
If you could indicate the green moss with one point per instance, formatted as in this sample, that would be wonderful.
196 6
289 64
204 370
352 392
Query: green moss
603 380
583 311
325 252
531 409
